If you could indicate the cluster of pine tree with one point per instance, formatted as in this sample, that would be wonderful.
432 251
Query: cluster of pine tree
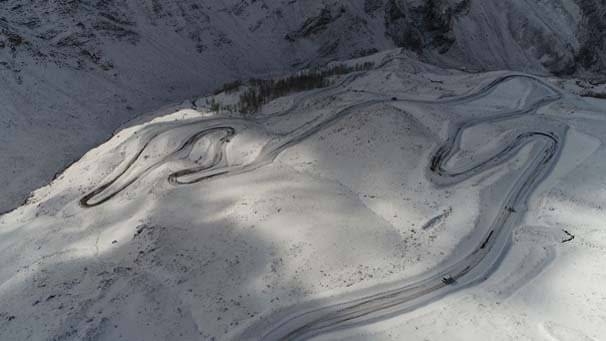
262 91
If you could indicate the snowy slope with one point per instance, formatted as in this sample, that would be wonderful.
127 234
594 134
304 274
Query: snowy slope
326 211
73 71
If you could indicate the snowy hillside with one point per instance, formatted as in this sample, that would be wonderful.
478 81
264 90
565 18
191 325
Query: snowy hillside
369 170
435 203
73 71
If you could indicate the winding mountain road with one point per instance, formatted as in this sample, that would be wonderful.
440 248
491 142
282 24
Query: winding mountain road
469 267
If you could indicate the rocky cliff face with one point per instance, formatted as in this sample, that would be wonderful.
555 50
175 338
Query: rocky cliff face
561 36
73 70
592 35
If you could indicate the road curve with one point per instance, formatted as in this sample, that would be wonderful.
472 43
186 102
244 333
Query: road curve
475 266
219 146
317 317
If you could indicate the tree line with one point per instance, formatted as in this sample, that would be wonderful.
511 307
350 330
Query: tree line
262 91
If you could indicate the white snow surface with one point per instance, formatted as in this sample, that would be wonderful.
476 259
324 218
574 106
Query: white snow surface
72 72
345 210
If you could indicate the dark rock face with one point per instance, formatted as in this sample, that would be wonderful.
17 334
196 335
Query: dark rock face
592 36
372 6
559 37
428 24
316 24
516 34
400 27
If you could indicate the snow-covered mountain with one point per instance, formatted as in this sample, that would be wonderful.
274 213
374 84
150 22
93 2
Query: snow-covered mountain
402 201
445 182
73 71
248 36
